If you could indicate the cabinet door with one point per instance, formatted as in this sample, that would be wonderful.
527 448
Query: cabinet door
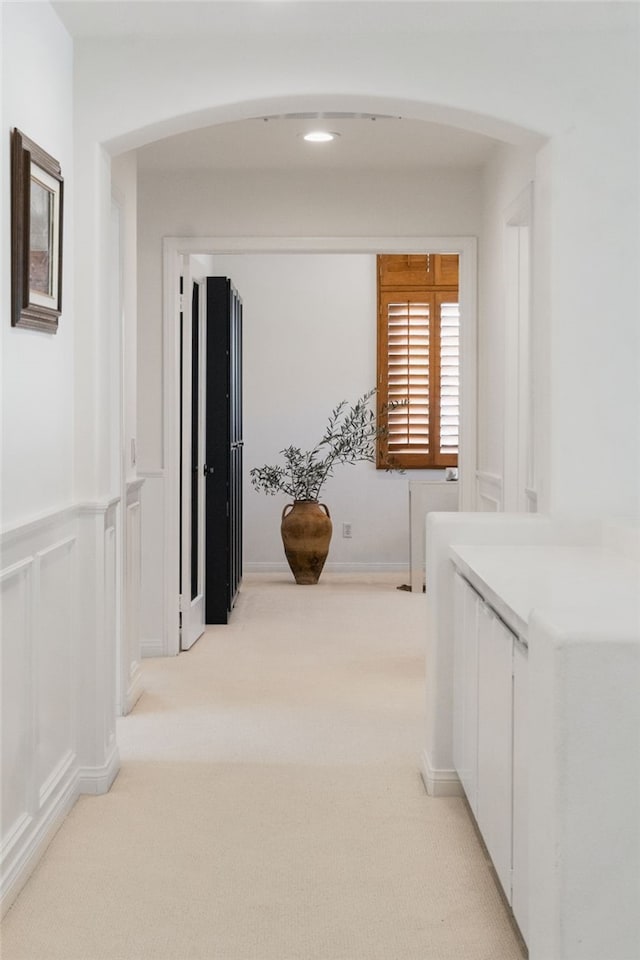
495 643
520 787
465 693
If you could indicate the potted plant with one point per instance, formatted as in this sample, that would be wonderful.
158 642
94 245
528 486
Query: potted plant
306 526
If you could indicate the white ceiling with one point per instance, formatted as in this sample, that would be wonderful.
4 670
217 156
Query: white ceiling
380 144
383 144
170 18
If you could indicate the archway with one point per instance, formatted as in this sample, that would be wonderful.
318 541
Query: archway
201 243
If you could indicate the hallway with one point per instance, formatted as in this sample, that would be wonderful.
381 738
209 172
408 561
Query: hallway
269 805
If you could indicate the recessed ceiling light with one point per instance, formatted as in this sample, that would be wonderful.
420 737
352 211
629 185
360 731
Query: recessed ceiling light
320 136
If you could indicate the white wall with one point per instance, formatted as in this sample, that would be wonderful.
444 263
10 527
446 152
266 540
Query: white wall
255 204
124 184
123 329
434 202
310 342
58 556
37 369
566 73
506 175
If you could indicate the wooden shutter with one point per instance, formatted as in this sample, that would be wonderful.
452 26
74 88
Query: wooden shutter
406 381
449 373
418 362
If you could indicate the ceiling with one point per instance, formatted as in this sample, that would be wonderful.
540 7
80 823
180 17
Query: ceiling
384 143
171 18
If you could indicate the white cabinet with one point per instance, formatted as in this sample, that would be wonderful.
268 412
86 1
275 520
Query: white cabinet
495 651
490 736
465 672
520 868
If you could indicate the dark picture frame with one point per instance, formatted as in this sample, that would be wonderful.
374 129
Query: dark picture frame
37 195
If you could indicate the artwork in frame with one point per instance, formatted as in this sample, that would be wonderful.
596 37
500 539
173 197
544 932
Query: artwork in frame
36 235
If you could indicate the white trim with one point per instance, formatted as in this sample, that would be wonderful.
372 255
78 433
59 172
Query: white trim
439 783
176 247
18 829
133 488
57 775
59 545
134 690
98 780
97 509
172 254
517 251
153 647
21 566
489 487
36 525
16 873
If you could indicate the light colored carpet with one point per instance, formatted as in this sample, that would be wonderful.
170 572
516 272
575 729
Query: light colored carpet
270 806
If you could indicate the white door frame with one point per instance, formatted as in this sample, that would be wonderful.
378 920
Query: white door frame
518 470
192 609
117 477
174 248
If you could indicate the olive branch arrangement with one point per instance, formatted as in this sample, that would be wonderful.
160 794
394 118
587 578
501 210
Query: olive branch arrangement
349 437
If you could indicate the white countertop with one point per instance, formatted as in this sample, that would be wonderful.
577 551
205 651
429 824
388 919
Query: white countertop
584 585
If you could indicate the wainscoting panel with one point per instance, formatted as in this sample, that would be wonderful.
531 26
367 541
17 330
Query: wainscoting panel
131 671
489 492
152 586
111 621
54 664
16 583
58 597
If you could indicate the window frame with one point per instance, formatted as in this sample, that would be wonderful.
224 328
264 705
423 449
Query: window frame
435 294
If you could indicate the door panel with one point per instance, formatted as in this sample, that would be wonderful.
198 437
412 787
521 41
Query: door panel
465 746
192 486
224 446
495 645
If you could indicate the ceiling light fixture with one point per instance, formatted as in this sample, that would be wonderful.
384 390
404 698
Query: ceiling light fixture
320 136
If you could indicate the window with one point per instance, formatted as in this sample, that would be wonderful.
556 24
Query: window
418 360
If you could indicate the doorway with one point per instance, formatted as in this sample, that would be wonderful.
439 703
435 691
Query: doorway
175 249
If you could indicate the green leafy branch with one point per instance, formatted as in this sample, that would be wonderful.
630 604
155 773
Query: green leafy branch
350 437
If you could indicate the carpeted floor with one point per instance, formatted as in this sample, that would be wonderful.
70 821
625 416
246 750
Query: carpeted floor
269 805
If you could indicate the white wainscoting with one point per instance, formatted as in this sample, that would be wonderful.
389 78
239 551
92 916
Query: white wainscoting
58 595
153 607
130 674
489 495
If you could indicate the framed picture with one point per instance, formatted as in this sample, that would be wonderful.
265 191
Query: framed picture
36 236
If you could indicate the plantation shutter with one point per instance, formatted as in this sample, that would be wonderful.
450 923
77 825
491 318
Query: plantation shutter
449 312
418 363
408 375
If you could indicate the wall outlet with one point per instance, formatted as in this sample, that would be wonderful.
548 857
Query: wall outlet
346 529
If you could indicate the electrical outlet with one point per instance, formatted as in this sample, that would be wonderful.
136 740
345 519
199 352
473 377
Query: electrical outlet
346 530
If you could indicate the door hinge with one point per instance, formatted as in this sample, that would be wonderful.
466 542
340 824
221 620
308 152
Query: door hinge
181 302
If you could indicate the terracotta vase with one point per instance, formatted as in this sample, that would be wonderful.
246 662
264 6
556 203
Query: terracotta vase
306 534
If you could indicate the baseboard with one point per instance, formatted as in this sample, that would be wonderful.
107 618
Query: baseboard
97 780
151 648
135 690
22 852
439 783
